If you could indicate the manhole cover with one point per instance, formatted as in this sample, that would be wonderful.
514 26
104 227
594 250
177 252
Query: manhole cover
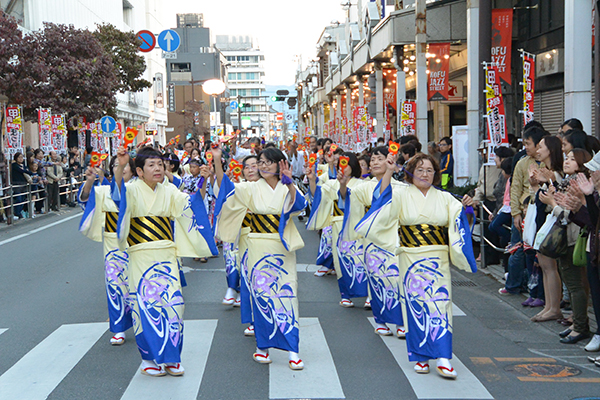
543 370
463 283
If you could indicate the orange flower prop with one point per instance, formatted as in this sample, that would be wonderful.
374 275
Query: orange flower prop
103 157
95 160
252 146
312 159
209 157
394 147
307 139
177 138
344 163
185 154
130 134
332 148
320 153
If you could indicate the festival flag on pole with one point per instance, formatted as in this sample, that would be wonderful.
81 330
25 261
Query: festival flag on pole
130 134
528 85
502 19
439 69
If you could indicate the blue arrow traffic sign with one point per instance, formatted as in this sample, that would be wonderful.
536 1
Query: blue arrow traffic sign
233 104
169 40
108 124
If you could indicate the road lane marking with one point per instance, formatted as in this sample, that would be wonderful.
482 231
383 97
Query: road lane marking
433 387
38 373
198 337
319 379
525 359
3 330
542 379
12 239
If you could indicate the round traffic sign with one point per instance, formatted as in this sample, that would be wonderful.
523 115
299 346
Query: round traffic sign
148 41
108 124
169 40
233 104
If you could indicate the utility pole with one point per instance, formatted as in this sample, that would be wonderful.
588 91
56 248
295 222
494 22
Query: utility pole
421 50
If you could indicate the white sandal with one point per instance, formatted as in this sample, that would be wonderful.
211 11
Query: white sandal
422 368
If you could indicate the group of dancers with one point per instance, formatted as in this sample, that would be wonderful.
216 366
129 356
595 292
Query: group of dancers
389 241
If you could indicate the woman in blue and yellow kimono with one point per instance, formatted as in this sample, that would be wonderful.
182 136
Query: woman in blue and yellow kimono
326 172
328 210
146 208
381 262
99 223
433 231
272 244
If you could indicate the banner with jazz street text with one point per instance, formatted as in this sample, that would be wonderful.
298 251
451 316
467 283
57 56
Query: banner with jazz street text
439 69
501 42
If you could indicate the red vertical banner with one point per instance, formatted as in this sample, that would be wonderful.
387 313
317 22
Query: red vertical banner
494 105
439 68
528 86
45 129
14 131
408 118
501 41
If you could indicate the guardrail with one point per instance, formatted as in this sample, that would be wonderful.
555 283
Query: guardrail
25 197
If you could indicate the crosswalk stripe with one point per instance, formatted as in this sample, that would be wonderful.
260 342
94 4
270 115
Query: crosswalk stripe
434 387
310 382
38 373
457 312
197 341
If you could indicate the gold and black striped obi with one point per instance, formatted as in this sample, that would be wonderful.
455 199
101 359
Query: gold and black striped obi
149 229
423 235
247 222
367 208
110 223
263 223
337 211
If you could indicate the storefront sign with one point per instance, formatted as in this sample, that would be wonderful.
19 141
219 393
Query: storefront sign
439 69
501 41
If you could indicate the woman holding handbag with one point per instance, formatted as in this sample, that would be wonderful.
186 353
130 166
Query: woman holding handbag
572 275
549 152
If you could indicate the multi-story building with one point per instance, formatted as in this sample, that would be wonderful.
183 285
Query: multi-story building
246 82
191 111
133 109
378 57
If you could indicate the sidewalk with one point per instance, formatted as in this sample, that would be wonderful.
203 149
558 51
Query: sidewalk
46 217
497 272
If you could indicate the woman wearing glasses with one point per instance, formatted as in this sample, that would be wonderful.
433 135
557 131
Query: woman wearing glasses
433 232
272 243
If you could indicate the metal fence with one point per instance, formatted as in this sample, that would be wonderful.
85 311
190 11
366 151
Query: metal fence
25 197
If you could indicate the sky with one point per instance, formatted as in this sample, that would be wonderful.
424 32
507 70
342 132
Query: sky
284 28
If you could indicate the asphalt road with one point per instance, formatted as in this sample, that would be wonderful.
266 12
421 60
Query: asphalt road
54 338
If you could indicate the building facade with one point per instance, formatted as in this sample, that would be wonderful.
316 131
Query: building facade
191 111
246 83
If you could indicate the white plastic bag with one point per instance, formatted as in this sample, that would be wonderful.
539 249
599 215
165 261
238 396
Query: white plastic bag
544 230
529 226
